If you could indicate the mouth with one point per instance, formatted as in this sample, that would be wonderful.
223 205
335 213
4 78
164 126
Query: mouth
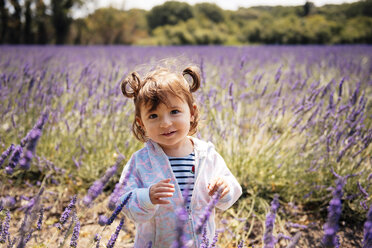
168 133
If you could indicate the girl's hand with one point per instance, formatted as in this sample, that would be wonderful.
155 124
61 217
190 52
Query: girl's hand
161 190
220 184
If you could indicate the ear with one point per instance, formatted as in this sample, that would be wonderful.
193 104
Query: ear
192 117
140 123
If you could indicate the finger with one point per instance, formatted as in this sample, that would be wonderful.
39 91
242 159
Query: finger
167 180
214 187
225 192
167 185
162 195
164 189
211 184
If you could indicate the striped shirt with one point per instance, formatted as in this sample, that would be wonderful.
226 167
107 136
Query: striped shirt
184 169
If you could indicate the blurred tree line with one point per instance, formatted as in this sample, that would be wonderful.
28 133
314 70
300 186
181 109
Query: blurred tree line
178 23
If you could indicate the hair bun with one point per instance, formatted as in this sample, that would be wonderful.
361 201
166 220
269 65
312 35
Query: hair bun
195 75
131 85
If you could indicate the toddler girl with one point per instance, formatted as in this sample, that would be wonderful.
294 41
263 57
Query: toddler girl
165 116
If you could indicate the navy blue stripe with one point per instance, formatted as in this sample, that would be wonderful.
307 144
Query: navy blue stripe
181 171
189 189
186 159
182 177
175 165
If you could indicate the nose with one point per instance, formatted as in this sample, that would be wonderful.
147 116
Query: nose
165 122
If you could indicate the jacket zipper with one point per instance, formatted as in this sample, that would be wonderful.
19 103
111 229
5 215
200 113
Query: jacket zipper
192 228
189 210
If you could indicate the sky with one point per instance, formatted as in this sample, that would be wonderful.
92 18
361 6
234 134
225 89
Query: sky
225 4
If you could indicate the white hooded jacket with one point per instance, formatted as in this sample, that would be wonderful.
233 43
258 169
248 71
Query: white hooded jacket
157 223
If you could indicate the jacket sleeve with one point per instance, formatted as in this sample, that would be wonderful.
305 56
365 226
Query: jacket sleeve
139 207
223 171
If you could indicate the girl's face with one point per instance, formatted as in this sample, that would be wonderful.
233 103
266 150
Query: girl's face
167 125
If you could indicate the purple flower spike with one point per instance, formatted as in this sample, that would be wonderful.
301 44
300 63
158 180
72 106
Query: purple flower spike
118 209
367 238
149 245
182 216
118 191
113 238
102 220
269 238
214 241
75 234
14 159
96 189
28 153
67 211
208 211
334 212
241 243
8 202
5 227
97 238
40 220
5 154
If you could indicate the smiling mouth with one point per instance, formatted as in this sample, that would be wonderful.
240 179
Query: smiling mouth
168 133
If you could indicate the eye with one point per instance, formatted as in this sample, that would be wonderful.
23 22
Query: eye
175 111
153 116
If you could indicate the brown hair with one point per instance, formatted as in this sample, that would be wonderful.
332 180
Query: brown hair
153 90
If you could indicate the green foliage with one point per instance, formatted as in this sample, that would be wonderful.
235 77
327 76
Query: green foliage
169 13
178 23
211 11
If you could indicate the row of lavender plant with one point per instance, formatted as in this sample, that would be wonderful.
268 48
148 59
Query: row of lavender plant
284 117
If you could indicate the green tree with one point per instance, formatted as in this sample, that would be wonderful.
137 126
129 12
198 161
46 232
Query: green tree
169 13
41 20
309 8
15 24
4 21
61 18
27 30
211 11
357 30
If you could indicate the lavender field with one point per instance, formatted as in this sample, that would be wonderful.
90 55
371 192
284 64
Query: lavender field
293 123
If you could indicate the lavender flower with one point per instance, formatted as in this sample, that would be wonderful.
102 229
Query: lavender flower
28 153
269 239
367 238
102 220
67 211
340 87
118 209
182 215
40 220
113 238
334 213
5 154
8 202
75 234
294 241
14 158
28 237
205 240
241 243
214 241
207 211
98 185
5 228
97 239
118 191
